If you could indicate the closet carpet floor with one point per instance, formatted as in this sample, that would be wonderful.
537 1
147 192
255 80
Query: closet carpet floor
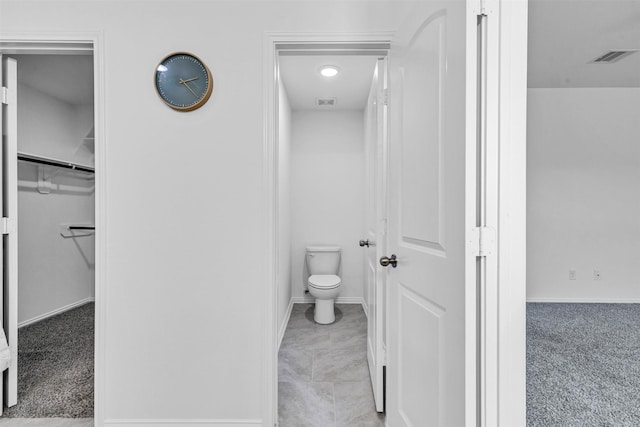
55 367
46 422
583 365
323 375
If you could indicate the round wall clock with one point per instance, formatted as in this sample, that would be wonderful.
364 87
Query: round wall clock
183 81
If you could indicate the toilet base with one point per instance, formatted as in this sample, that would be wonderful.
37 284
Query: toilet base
324 313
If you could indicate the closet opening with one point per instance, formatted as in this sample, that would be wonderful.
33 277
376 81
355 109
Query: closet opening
50 322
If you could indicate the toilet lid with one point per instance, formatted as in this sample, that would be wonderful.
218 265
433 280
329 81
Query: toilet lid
324 281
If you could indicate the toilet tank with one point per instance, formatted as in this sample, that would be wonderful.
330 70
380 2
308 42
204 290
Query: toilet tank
323 259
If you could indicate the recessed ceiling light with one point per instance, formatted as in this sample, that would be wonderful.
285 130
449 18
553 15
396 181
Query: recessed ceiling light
329 70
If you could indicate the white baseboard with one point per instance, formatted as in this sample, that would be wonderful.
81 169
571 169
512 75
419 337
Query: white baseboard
285 322
365 307
302 300
55 312
311 300
585 300
182 423
339 300
350 300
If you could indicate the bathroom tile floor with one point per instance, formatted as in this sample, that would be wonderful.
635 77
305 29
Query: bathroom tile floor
323 376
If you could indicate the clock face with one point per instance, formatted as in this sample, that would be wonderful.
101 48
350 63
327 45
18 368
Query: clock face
183 81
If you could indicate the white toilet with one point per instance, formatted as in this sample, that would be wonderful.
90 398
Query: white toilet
323 263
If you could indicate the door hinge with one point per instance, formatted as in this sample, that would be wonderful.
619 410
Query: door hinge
5 95
483 241
486 7
8 225
385 97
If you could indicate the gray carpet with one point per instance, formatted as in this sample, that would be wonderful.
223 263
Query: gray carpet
55 371
583 365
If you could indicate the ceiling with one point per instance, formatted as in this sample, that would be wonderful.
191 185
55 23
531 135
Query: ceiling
68 78
303 83
566 35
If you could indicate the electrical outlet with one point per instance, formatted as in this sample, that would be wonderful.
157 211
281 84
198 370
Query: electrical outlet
596 275
572 275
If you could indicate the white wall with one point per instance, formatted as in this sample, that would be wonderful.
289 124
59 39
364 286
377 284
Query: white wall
283 274
51 127
183 210
583 203
53 272
327 193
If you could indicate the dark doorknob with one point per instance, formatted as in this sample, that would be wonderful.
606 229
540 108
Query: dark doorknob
385 261
364 243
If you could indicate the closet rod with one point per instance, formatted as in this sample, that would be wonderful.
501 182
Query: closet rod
54 162
81 227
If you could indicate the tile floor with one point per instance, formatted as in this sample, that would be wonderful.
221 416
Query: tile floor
323 376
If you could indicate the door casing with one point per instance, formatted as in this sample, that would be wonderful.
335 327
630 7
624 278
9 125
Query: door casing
368 42
70 44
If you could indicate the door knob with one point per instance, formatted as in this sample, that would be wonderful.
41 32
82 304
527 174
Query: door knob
385 261
364 243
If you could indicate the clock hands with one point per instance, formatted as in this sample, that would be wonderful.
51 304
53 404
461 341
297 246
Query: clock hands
186 84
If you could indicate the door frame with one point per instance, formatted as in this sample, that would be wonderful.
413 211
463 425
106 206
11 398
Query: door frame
511 164
505 398
502 387
78 43
274 41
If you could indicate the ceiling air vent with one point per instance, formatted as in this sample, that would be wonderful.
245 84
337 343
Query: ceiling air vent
326 102
612 56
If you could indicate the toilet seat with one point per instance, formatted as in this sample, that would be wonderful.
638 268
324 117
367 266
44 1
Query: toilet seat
324 281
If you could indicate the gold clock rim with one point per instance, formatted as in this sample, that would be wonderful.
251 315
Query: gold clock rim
199 103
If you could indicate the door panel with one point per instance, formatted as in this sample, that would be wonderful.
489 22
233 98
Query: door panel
426 292
9 197
419 360
3 129
375 224
422 144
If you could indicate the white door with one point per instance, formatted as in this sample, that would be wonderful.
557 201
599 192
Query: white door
426 370
9 197
375 220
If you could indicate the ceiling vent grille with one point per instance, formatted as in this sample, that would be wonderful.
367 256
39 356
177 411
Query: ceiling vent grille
613 56
326 102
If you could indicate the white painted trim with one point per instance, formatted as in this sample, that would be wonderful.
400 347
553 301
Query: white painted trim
270 342
339 300
102 231
350 300
285 322
54 43
55 312
183 422
511 295
270 226
471 327
584 300
365 308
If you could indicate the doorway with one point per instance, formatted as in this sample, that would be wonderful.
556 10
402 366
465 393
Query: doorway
329 168
583 170
51 321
